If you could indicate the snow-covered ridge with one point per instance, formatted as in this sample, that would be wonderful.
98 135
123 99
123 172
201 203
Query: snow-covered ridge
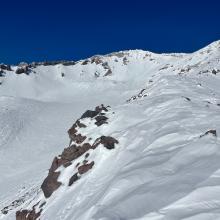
53 81
164 116
76 160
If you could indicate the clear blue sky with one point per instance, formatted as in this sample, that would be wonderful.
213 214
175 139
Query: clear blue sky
53 30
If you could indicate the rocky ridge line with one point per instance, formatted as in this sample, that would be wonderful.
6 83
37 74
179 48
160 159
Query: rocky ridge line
79 148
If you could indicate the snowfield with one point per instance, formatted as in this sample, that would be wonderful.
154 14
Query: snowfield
164 112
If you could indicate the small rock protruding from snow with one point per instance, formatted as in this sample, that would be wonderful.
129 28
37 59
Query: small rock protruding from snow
212 132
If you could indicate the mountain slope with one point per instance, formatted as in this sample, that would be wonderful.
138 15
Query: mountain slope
164 115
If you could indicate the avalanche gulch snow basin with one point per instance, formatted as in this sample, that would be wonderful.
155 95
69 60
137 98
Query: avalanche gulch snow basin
151 151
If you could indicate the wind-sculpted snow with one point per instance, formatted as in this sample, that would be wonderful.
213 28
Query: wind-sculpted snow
163 160
75 160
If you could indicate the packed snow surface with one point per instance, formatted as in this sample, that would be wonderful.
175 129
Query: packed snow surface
164 168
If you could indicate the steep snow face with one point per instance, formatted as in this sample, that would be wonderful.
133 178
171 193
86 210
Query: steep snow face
166 164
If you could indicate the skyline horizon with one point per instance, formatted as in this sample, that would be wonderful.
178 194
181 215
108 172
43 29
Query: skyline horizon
67 30
76 60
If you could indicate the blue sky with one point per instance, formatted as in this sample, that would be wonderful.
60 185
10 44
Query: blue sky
71 30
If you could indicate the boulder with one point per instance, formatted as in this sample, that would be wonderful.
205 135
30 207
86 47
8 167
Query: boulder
80 124
101 108
85 167
78 138
89 114
50 184
87 155
27 215
72 131
107 141
85 62
73 179
22 69
73 152
100 120
212 132
214 71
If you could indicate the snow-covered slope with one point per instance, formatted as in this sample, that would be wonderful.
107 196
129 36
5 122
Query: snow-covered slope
164 113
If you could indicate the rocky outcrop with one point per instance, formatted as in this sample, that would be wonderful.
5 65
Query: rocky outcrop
96 59
32 214
79 148
100 120
5 67
89 114
141 94
13 205
52 63
107 67
212 132
73 179
27 215
108 142
1 73
23 68
98 114
50 184
85 62
85 167
215 71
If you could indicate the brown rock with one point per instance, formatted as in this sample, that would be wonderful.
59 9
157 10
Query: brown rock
55 164
85 147
73 179
80 124
27 215
100 120
72 130
50 184
67 164
108 142
97 60
85 167
70 153
73 152
78 138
